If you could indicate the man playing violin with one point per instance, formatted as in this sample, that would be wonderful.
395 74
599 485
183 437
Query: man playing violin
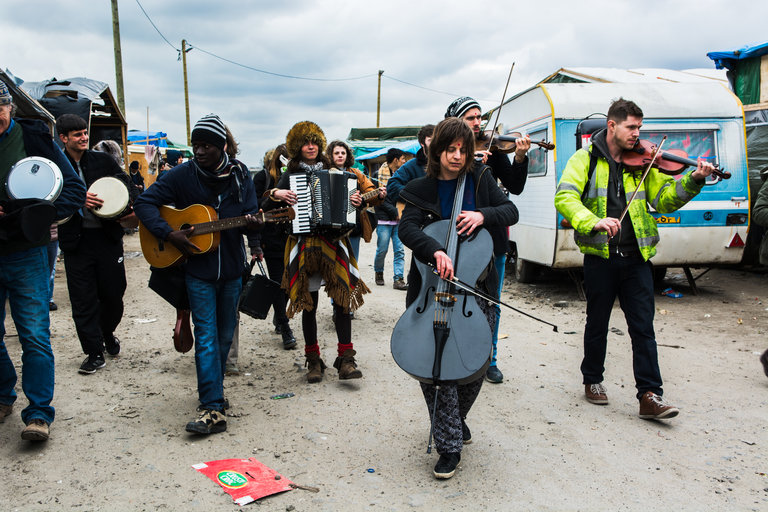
513 176
617 251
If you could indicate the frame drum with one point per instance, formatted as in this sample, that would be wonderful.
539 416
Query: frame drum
115 195
34 177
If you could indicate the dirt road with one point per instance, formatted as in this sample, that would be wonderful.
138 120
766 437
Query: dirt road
118 442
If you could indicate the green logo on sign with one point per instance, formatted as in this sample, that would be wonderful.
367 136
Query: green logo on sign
231 479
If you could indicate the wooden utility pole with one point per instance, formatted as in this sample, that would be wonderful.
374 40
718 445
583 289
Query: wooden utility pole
378 100
186 88
118 57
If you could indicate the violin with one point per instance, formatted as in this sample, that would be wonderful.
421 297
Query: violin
672 161
504 143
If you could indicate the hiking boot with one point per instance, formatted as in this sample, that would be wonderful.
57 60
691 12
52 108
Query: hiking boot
466 435
5 410
380 278
493 374
289 340
208 422
446 465
112 344
315 368
52 306
36 430
231 370
346 365
92 363
399 284
764 360
596 394
654 407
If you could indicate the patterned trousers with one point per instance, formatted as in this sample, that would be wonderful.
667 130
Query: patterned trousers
453 404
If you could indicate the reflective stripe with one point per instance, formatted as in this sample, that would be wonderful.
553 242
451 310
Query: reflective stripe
682 193
567 186
656 199
640 195
596 241
648 241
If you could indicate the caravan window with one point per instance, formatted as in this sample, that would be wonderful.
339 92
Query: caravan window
537 156
697 143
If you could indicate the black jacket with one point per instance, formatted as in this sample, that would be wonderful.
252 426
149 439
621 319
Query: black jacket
422 207
95 165
274 235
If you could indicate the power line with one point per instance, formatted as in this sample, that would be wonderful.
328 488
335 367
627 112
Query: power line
280 74
155 26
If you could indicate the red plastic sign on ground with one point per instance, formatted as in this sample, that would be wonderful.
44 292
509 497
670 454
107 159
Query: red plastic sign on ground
246 480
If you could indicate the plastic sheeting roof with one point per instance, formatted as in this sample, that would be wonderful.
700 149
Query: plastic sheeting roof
409 146
726 59
639 75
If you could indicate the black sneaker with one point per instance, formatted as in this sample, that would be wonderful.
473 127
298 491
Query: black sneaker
52 306
112 344
92 363
446 465
466 435
494 375
208 422
289 340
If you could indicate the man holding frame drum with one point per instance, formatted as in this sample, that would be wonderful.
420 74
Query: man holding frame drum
93 246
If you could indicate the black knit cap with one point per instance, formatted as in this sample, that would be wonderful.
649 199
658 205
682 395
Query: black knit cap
460 106
211 130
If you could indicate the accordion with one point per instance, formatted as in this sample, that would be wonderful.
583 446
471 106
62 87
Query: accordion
323 201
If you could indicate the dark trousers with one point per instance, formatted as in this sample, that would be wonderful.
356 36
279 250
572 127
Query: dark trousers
275 268
96 283
631 279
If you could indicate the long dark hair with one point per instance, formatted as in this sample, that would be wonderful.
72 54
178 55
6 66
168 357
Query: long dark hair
446 133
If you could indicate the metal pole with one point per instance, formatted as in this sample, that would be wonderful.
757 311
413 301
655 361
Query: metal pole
378 100
118 57
186 88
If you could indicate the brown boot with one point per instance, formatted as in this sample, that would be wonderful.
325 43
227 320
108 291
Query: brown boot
346 365
315 368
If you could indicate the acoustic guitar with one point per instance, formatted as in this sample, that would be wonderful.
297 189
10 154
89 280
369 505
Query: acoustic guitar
162 254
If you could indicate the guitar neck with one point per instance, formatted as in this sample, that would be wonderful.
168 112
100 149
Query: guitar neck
213 226
370 195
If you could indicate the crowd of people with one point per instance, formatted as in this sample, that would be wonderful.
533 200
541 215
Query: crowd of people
448 179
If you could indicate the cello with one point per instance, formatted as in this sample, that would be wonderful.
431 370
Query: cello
444 335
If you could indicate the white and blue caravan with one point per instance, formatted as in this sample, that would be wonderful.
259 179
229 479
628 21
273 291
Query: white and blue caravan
704 119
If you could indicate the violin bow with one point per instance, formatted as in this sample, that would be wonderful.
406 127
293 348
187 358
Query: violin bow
498 112
645 173
467 287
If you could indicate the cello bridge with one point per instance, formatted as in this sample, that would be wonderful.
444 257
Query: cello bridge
445 299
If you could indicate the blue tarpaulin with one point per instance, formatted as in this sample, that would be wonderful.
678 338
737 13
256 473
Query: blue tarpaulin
409 146
726 59
158 139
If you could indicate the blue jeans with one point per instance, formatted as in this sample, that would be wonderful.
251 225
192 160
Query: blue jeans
214 313
631 279
53 252
24 283
500 263
385 233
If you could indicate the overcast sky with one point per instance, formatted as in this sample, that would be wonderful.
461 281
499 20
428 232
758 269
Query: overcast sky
454 48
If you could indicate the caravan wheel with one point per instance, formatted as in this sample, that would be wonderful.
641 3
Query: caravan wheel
525 271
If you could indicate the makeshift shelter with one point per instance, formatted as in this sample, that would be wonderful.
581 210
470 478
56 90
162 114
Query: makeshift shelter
148 147
748 75
365 141
26 106
90 99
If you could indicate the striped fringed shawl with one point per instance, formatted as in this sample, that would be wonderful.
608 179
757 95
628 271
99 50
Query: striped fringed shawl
333 260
